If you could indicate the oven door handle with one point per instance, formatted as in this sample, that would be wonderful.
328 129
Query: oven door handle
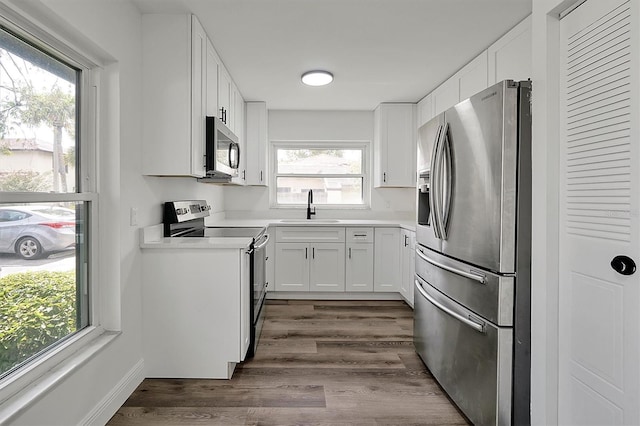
262 244
466 321
482 279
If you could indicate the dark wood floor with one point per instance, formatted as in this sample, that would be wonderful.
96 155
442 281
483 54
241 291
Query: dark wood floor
318 363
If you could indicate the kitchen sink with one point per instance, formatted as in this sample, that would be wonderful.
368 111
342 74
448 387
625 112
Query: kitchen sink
310 221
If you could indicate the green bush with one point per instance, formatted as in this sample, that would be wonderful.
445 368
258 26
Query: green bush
36 310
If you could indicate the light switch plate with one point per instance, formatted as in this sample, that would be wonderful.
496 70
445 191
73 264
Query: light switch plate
133 216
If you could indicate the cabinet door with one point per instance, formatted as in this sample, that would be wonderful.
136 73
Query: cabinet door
394 138
292 266
256 142
424 110
166 108
271 260
327 267
198 97
359 267
386 271
473 77
510 56
238 129
224 95
407 239
212 80
446 95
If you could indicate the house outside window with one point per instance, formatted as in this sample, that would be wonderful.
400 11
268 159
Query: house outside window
337 172
46 209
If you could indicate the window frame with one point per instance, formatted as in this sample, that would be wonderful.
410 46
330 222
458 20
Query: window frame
38 374
365 146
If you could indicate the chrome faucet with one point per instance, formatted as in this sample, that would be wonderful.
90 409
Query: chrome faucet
309 202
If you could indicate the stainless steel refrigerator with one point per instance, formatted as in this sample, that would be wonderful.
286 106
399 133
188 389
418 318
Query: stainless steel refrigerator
472 283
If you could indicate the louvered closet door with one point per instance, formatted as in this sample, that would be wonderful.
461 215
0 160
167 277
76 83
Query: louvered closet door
599 188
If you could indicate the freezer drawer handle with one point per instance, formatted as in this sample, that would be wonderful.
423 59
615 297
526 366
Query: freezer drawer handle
471 275
466 321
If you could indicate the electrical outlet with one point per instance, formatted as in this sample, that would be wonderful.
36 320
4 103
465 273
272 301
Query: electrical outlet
133 216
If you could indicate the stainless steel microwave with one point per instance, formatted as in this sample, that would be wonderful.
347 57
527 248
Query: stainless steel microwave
222 150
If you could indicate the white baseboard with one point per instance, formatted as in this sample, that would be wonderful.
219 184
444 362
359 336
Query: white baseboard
311 295
107 407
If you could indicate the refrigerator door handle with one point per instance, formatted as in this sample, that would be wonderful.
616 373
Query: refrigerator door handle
436 182
471 275
446 156
466 321
433 185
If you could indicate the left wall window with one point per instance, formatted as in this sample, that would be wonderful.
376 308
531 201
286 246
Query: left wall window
45 209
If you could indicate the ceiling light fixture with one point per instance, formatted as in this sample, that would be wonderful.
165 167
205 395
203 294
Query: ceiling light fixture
317 78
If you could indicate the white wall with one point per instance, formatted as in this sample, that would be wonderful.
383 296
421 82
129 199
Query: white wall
386 203
113 30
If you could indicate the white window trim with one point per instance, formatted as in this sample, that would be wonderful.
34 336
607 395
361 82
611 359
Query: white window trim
25 386
322 144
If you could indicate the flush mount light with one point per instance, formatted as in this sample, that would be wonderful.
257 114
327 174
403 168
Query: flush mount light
317 78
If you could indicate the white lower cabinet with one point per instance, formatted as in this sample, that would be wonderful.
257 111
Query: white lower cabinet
326 269
292 267
408 247
338 259
310 267
359 262
386 270
212 332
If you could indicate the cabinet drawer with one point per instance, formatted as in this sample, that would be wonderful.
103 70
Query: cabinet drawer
359 235
309 234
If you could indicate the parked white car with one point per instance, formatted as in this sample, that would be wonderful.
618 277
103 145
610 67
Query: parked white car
34 231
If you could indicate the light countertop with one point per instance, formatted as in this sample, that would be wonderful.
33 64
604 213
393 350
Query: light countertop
152 237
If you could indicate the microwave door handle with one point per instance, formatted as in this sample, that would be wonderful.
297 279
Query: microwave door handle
234 155
432 184
466 321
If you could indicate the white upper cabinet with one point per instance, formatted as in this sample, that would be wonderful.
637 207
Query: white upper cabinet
256 143
198 97
224 97
510 57
212 80
468 81
473 77
174 66
424 110
185 81
446 95
394 145
237 114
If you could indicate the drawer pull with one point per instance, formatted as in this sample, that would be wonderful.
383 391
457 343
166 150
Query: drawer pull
466 321
359 235
482 279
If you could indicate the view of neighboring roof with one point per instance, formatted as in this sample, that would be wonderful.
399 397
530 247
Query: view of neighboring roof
25 144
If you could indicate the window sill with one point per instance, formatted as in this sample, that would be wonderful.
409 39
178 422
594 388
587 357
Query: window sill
21 390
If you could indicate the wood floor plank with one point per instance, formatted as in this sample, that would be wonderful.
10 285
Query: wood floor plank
378 346
174 416
337 363
229 395
275 346
339 360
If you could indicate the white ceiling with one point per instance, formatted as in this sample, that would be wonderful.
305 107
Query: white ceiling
378 50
